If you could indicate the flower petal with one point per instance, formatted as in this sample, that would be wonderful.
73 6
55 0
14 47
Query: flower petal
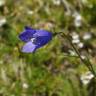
42 37
43 33
42 40
29 47
27 34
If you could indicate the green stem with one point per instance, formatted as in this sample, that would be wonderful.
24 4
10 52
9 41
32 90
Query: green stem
86 62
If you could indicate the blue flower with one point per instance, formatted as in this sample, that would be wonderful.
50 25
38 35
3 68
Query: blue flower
34 39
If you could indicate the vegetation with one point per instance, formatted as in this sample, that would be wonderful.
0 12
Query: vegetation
57 68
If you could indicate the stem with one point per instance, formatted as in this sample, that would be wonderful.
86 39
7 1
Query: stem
86 62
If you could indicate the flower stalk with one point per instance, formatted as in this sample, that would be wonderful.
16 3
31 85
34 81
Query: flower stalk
85 61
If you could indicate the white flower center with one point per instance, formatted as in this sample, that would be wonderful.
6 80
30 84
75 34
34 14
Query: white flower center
33 40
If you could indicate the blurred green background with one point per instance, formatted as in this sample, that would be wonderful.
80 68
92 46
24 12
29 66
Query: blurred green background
53 70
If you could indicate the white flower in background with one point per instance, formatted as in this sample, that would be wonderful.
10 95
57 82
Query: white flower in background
83 57
2 21
56 2
85 78
80 45
87 36
30 12
72 53
77 19
75 41
2 2
75 38
25 85
75 35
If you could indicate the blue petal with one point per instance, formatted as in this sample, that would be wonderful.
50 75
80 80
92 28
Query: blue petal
42 40
43 33
29 47
27 34
42 37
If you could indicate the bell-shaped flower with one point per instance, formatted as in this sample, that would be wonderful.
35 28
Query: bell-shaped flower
34 39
